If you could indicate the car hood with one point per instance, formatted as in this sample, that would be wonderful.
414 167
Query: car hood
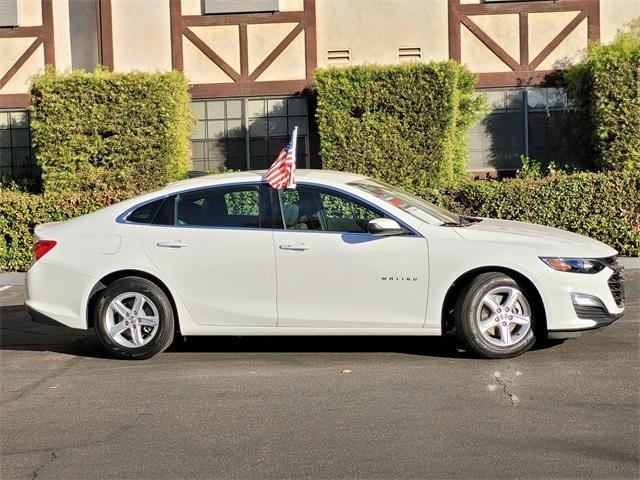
549 241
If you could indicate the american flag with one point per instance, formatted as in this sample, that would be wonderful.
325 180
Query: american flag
282 173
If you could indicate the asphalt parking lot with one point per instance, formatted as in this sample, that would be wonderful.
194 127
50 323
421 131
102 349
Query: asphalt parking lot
282 408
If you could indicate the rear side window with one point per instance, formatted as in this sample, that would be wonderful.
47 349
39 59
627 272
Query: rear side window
237 206
158 212
166 213
145 213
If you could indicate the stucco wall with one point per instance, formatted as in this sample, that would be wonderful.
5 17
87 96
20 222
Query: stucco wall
374 29
614 15
141 35
61 35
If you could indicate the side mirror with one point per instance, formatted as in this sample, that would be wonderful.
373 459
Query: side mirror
384 227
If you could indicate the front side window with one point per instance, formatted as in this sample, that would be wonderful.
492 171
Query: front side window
314 208
235 206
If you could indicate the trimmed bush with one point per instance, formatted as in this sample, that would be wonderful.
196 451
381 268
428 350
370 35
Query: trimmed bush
404 124
104 130
21 211
605 89
604 206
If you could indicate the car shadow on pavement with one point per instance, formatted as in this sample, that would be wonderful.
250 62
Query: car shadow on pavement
19 332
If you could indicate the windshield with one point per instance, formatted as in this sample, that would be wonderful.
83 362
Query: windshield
415 206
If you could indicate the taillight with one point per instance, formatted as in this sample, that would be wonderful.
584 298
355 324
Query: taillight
40 247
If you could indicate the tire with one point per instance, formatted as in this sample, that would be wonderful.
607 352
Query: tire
134 334
494 316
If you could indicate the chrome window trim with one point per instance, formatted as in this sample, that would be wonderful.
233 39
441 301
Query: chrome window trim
122 218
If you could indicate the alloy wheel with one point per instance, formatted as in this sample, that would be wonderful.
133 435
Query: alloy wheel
132 320
504 316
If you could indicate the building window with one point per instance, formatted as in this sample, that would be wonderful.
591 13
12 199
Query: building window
532 121
8 13
240 6
17 161
218 139
247 133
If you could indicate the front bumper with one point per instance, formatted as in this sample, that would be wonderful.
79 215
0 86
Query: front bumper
603 321
568 318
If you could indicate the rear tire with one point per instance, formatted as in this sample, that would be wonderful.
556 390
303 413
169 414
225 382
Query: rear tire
494 316
134 319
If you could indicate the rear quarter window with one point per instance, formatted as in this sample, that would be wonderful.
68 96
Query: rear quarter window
158 212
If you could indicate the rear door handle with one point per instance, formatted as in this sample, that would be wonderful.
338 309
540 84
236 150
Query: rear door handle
295 246
172 244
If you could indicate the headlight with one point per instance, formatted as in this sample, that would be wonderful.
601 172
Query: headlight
574 265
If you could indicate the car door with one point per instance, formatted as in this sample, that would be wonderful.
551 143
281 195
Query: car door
218 253
332 273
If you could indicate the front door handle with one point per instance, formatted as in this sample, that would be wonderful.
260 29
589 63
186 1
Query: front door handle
299 247
172 244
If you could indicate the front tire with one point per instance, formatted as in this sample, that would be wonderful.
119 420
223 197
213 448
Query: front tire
494 316
134 319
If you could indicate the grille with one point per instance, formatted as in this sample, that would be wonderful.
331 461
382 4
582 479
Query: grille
598 314
616 280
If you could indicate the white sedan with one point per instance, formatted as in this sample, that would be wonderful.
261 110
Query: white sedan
341 254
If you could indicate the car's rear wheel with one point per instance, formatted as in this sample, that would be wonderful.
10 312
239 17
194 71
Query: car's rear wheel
494 316
133 318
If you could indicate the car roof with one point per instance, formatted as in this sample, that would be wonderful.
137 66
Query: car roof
257 175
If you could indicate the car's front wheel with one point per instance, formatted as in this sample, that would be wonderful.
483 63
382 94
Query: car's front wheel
133 319
494 316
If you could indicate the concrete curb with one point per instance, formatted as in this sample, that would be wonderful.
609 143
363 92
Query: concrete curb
630 263
17 278
11 278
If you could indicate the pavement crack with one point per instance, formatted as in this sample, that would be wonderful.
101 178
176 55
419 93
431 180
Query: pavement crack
52 458
18 394
506 389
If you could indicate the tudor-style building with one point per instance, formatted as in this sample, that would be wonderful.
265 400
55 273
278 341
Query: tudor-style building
249 62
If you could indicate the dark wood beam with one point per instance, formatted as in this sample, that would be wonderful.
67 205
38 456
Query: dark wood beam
22 59
524 41
241 89
490 43
564 33
276 52
47 33
175 19
593 27
15 100
246 18
244 52
211 55
106 34
549 6
455 49
310 40
20 32
519 78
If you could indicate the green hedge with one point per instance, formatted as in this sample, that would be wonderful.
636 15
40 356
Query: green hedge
604 206
21 211
605 88
104 130
404 124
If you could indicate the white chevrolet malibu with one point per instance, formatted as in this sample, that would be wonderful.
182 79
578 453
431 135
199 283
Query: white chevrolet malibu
340 255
